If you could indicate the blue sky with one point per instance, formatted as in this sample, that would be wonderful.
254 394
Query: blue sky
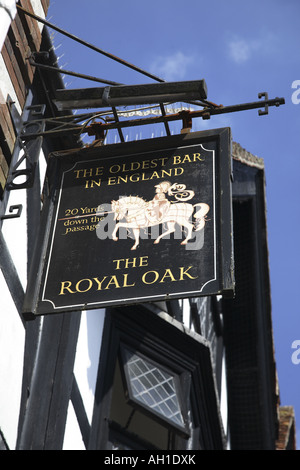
240 49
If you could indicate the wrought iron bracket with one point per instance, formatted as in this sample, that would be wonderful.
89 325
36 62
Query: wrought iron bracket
18 208
30 150
71 124
266 110
22 153
186 122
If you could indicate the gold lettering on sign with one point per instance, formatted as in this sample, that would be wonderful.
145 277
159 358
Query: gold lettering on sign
131 172
131 262
137 177
84 173
179 159
123 280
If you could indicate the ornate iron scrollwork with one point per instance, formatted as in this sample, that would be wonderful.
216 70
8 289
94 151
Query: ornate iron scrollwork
13 215
31 151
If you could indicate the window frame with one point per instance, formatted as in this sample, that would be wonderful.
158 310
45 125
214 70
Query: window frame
178 379
167 342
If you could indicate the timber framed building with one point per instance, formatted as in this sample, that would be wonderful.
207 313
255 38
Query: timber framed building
66 378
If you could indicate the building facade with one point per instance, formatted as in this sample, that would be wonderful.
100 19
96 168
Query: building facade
184 374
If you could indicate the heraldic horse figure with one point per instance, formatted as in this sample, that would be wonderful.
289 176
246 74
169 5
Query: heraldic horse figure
139 214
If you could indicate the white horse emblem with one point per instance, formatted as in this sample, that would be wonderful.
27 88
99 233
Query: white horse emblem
135 213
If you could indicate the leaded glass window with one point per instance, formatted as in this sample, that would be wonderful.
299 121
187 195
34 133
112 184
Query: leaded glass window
154 388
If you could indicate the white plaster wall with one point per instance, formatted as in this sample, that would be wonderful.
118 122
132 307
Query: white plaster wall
186 313
73 438
6 87
87 356
12 341
15 235
224 400
7 13
12 332
38 10
85 371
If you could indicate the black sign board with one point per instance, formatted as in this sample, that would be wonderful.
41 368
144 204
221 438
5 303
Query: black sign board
135 222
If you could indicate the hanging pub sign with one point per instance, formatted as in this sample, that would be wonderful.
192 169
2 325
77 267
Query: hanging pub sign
134 222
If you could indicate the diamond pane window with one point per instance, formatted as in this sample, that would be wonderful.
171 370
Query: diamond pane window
153 388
